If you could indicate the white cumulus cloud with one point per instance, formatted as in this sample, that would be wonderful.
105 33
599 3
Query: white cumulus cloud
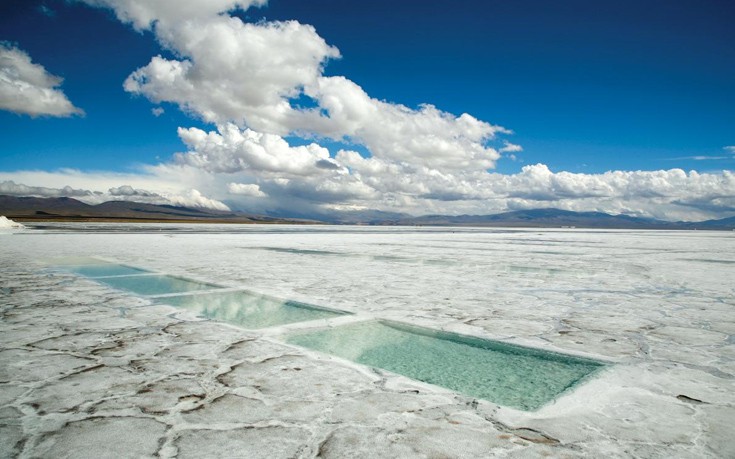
185 198
234 150
142 14
11 188
194 198
128 191
27 88
252 74
245 189
426 136
510 147
235 71
178 196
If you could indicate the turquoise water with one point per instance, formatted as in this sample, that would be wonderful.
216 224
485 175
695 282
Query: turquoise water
103 269
505 374
156 284
249 310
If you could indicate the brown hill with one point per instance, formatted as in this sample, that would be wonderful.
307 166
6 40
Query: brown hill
26 209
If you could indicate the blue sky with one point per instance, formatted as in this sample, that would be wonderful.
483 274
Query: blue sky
586 87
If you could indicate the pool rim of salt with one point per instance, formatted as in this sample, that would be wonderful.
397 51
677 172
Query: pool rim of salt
211 287
142 273
161 299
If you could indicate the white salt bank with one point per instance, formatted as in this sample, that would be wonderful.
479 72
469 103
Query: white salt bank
6 223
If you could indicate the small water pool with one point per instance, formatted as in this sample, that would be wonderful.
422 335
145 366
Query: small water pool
249 310
156 284
505 374
103 269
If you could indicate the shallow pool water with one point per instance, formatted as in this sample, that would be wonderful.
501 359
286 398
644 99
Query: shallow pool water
505 374
103 269
157 284
249 310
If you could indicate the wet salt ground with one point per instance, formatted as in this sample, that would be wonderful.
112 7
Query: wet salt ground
81 362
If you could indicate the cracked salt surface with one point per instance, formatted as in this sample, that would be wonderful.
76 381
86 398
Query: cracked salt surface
84 368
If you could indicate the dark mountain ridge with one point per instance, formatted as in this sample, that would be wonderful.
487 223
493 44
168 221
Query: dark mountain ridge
555 218
543 217
69 209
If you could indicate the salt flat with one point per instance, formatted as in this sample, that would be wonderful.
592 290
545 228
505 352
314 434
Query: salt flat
89 371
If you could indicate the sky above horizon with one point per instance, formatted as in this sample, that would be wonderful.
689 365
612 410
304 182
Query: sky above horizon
308 108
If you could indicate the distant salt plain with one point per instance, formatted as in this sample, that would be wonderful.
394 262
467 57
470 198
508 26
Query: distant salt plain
659 306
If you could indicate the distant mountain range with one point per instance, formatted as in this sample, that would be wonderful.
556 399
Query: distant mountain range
556 218
69 209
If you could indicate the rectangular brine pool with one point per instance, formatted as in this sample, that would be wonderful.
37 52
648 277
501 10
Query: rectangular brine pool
505 374
136 280
156 284
249 310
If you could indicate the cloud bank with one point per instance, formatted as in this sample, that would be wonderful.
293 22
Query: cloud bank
375 185
28 89
186 198
11 188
